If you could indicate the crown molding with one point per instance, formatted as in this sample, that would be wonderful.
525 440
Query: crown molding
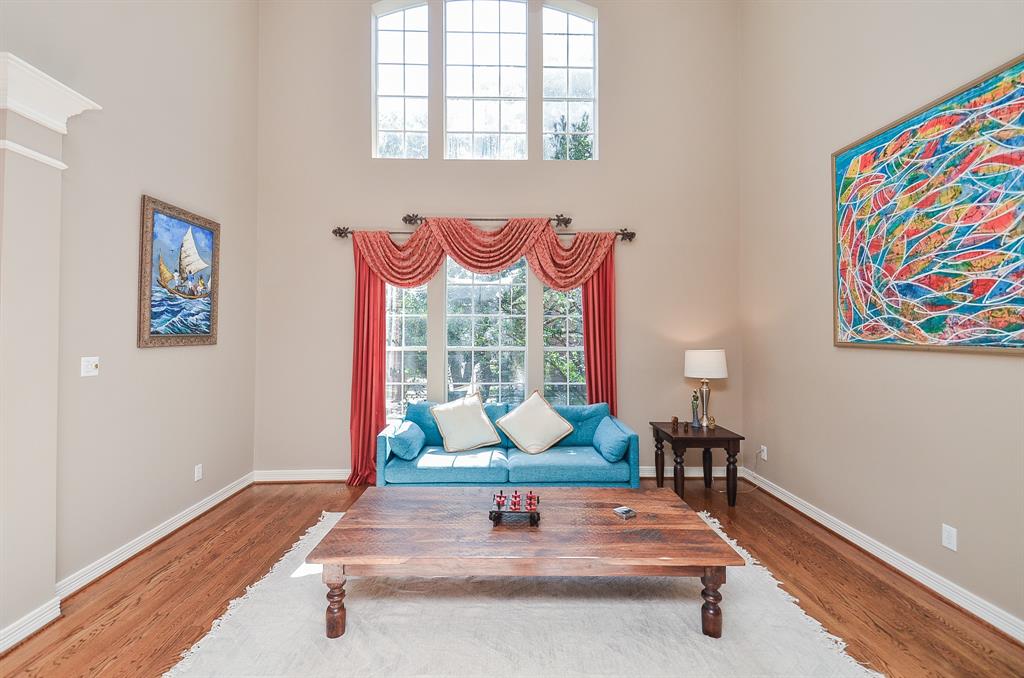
29 92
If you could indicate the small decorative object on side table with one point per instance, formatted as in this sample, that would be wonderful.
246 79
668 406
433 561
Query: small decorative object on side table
705 438
515 507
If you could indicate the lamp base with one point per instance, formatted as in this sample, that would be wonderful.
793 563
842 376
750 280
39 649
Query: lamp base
705 400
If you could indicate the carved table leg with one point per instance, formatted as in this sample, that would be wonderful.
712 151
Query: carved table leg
677 471
707 467
710 612
659 461
335 581
730 472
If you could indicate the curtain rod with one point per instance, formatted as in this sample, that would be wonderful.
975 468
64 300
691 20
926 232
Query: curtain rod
560 221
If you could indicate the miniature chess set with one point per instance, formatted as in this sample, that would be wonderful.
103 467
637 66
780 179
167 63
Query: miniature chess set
514 506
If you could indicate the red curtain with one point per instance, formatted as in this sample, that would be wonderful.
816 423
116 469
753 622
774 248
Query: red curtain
586 261
368 416
599 333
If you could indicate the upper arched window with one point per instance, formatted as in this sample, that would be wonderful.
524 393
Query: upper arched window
485 79
570 81
401 77
486 75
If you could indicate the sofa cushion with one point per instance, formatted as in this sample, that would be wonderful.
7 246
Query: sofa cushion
584 419
565 464
610 440
420 413
464 424
534 426
434 465
407 440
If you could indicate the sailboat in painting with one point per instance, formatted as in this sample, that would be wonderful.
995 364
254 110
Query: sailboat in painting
185 282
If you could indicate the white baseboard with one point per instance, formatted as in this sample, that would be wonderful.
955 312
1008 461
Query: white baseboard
301 475
14 633
688 471
994 615
70 584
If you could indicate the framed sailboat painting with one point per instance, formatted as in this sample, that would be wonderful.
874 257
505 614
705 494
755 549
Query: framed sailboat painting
179 276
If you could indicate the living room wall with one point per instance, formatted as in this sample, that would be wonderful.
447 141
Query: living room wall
177 82
666 169
893 443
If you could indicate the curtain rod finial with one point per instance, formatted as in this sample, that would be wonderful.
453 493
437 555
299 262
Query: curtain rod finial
412 219
342 231
562 221
626 234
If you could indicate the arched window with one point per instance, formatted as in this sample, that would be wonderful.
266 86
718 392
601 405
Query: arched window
401 78
570 81
485 79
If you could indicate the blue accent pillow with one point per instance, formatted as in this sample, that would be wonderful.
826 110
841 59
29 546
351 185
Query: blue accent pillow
610 440
407 441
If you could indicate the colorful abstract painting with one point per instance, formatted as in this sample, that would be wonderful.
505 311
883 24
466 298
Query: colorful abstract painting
929 224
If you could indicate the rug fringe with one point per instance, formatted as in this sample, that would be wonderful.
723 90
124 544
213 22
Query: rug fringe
188 655
830 640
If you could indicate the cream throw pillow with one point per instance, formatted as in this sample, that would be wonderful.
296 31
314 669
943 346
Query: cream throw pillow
534 426
464 424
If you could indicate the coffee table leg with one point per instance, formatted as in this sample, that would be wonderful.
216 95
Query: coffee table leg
710 612
335 580
659 461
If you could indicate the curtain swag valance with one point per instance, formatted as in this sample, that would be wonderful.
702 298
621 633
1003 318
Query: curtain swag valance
414 263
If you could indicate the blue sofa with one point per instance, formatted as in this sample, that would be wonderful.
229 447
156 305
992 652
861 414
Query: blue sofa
574 461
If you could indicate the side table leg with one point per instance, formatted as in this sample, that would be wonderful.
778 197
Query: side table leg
677 471
335 580
659 461
710 612
730 472
707 467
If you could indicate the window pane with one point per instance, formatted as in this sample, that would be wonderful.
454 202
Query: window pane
486 52
389 47
555 116
555 82
513 50
554 21
401 57
580 25
416 48
555 147
460 332
555 50
581 50
581 82
563 339
415 331
459 15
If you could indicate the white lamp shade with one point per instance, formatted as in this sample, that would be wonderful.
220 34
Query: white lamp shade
705 364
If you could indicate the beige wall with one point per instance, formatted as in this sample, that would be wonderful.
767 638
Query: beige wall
178 85
666 168
893 443
29 317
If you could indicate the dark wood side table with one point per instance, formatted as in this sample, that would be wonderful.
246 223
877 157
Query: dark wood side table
680 440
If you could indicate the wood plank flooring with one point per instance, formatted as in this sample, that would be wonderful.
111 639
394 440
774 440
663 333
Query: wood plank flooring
136 620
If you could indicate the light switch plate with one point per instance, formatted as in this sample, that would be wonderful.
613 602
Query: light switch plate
90 366
198 472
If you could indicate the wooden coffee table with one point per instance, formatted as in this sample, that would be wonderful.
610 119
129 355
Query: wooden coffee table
444 531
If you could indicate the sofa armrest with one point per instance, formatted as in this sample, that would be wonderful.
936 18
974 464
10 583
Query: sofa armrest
384 451
632 455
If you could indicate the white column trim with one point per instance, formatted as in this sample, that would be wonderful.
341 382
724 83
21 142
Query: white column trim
6 145
29 92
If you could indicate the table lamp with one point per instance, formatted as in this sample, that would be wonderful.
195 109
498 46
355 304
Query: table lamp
705 364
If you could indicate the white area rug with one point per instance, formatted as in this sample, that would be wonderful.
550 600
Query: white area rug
537 627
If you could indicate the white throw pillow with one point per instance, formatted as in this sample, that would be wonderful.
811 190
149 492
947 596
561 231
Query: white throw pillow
464 424
534 426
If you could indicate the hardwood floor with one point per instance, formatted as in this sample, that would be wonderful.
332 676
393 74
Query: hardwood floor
136 620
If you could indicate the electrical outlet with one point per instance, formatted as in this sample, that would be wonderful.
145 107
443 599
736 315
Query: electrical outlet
199 472
90 366
949 537
763 453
